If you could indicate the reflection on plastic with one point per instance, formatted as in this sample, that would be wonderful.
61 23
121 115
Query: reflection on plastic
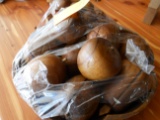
134 54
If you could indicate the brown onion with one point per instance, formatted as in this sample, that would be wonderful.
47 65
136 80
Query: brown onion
42 68
83 105
127 85
78 81
105 31
70 59
77 78
98 59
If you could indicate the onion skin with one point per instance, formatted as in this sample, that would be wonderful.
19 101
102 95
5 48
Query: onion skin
78 81
73 30
124 87
128 69
105 31
70 60
56 70
137 83
98 59
80 109
83 105
77 78
103 110
137 41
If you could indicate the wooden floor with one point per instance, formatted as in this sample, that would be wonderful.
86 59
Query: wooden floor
18 20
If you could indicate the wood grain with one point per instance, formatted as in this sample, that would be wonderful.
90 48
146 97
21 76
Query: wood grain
17 21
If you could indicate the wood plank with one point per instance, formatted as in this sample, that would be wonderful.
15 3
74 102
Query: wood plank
154 4
150 15
151 11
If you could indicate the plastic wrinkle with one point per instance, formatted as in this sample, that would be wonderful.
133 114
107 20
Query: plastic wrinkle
116 101
65 50
134 54
37 39
54 6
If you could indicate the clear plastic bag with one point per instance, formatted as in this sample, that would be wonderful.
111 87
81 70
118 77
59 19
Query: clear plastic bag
54 87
